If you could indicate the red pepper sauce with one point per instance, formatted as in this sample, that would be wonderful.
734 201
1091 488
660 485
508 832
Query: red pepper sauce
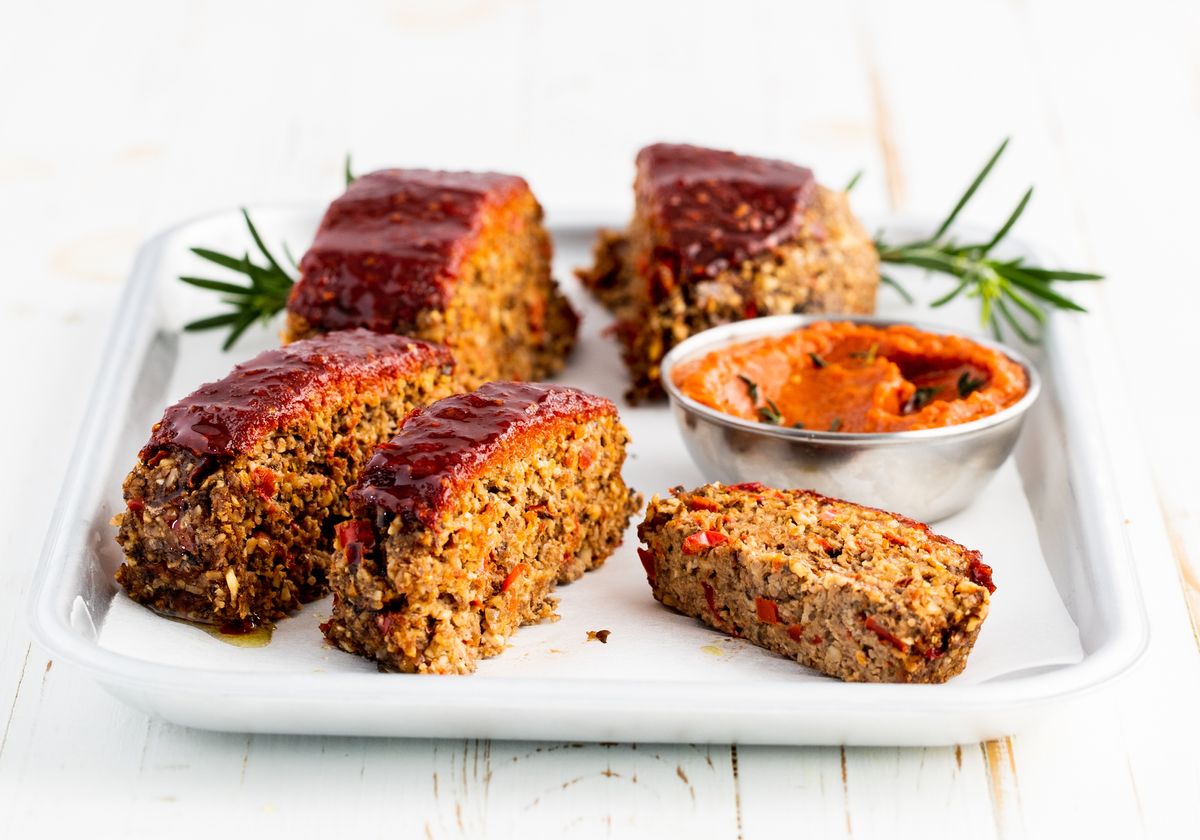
846 377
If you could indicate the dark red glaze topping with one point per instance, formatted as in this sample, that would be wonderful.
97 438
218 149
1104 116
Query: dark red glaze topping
981 573
450 441
715 209
392 246
230 416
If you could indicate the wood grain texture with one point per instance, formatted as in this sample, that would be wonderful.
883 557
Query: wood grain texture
139 114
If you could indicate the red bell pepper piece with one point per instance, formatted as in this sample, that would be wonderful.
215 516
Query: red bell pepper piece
702 541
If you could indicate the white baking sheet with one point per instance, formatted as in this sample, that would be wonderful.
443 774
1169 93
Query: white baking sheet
1065 618
1028 626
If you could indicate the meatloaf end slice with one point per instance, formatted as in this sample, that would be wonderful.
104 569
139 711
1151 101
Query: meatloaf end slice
719 237
854 592
459 258
231 505
468 518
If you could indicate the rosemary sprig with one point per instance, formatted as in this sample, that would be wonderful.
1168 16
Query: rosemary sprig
1010 292
269 286
266 295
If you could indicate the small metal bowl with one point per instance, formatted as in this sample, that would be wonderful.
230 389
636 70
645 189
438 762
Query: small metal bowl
927 474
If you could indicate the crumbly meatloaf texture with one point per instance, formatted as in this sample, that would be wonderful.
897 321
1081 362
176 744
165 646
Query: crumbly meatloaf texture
457 258
854 592
230 509
468 519
718 237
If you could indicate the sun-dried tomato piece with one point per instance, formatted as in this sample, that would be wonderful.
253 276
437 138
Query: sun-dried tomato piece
649 563
205 466
355 531
702 541
587 457
711 597
537 318
700 503
154 458
885 634
749 486
264 482
387 621
981 573
768 611
796 632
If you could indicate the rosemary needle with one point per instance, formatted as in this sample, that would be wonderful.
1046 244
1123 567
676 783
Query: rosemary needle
266 295
1010 292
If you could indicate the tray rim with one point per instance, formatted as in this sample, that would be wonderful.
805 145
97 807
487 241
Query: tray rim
1089 476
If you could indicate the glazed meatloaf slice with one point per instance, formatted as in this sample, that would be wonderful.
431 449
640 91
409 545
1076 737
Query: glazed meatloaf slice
854 592
231 506
459 258
468 518
719 237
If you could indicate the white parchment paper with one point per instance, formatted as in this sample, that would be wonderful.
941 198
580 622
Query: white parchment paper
1028 626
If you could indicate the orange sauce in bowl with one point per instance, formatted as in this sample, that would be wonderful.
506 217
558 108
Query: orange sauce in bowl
846 377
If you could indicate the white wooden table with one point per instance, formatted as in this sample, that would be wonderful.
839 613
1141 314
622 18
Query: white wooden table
119 118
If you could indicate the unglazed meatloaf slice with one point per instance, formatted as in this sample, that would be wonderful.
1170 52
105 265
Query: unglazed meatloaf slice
468 518
459 258
719 237
854 592
231 506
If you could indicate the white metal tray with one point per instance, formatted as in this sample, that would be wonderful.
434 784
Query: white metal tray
661 676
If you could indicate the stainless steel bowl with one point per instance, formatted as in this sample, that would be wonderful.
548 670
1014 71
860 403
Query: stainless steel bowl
927 474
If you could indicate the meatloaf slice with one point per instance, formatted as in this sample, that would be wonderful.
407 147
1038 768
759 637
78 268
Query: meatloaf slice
231 506
719 237
460 258
468 518
854 592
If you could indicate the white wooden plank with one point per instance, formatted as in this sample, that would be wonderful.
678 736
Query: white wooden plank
1000 86
1124 96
